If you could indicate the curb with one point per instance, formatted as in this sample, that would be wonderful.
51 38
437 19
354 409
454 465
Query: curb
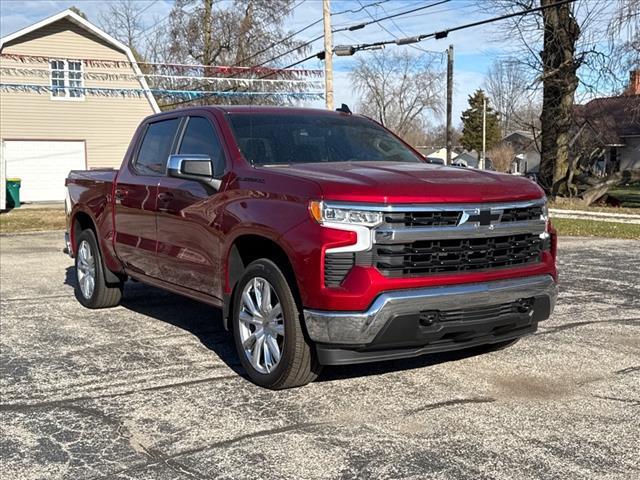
595 216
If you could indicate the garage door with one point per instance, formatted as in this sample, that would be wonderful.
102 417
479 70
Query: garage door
42 166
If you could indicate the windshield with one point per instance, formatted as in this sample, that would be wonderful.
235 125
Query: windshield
284 139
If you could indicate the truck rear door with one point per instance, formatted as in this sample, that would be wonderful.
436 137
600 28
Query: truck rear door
136 197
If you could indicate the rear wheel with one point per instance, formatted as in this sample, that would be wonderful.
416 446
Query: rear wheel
92 289
268 334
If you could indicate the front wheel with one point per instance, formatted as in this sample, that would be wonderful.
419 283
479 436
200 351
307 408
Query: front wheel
268 335
92 289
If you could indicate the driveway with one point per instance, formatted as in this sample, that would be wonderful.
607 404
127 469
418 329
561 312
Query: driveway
153 389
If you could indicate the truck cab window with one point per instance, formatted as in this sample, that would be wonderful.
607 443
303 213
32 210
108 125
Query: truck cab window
200 138
156 147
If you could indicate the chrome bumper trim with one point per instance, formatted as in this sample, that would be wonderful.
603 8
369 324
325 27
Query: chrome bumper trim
435 207
361 328
473 230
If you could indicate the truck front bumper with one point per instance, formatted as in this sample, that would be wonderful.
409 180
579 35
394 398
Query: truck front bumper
408 323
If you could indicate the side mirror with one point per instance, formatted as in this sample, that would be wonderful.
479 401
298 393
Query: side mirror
192 167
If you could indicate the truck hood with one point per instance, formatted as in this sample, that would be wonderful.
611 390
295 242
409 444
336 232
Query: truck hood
397 182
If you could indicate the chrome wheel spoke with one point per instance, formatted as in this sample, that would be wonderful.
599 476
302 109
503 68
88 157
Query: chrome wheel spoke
248 343
273 348
275 313
268 361
248 303
256 353
248 319
279 329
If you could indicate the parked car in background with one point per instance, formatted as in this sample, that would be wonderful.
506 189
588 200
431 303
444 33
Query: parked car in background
324 238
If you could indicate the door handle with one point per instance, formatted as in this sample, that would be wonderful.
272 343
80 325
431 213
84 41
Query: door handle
120 194
165 197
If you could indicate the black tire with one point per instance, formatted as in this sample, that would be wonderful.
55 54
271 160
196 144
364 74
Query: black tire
104 294
298 364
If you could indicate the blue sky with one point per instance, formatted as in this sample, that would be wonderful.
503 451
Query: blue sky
474 48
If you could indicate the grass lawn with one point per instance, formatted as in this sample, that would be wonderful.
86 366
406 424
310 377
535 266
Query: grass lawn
628 196
32 220
590 228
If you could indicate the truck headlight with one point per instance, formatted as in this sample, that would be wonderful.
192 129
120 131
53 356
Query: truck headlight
323 213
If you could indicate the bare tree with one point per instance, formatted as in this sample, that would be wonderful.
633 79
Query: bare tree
213 33
509 86
563 45
244 33
123 20
398 89
502 156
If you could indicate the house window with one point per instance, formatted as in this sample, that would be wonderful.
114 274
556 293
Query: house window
66 79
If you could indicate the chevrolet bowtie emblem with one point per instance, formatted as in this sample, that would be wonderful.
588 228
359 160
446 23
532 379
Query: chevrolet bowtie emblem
484 218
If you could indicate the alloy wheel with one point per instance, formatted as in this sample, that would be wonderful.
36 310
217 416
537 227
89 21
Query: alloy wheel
86 270
261 325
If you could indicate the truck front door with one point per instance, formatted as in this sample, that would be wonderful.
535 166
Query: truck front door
136 196
188 240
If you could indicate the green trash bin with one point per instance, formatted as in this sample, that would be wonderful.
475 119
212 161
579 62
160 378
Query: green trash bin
13 192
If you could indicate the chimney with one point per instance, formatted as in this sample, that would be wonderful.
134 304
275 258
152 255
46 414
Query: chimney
634 83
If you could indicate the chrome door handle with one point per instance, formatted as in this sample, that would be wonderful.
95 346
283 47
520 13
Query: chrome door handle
165 196
120 194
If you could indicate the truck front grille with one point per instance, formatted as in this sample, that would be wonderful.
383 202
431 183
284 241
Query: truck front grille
424 257
423 219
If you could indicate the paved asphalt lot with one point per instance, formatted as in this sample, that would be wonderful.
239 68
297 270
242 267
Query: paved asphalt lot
153 389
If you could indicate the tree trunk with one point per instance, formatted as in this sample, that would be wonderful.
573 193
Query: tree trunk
560 81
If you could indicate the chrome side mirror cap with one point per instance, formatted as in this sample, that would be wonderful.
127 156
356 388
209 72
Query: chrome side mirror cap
192 167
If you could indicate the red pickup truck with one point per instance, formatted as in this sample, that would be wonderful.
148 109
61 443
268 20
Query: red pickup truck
324 238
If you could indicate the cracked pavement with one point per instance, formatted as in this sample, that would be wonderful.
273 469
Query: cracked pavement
153 389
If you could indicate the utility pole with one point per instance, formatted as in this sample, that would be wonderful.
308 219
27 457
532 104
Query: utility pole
207 47
328 55
484 132
449 101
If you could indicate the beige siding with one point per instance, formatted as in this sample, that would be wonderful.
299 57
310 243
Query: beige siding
105 123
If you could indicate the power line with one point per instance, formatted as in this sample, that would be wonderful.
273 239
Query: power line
305 28
352 28
399 29
147 7
444 33
389 17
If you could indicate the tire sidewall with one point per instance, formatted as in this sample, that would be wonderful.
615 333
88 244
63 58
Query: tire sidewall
269 271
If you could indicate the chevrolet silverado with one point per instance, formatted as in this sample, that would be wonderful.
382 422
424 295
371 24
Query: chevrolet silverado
323 237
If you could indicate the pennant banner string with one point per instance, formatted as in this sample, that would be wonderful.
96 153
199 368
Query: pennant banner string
138 92
220 69
44 73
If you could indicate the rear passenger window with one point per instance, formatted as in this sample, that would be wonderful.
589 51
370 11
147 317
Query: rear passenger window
156 147
200 138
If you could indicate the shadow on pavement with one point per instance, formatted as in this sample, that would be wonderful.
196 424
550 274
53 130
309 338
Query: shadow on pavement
205 322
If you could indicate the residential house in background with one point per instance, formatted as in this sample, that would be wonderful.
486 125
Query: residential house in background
466 158
525 149
71 97
613 124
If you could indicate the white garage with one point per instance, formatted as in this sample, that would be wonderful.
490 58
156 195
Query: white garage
42 166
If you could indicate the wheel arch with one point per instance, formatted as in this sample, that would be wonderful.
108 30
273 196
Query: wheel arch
245 249
82 220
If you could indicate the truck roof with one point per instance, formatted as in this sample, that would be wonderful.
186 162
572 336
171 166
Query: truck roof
262 109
